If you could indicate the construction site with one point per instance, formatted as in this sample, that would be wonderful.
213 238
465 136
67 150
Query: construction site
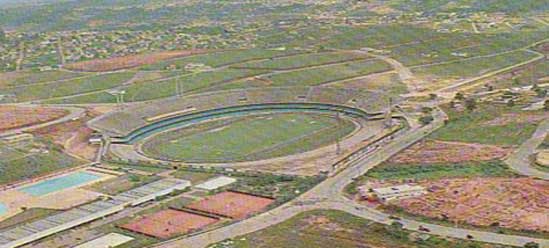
515 203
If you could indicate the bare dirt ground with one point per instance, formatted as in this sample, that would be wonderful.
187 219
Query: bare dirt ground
231 204
73 136
516 203
125 62
169 222
434 151
15 116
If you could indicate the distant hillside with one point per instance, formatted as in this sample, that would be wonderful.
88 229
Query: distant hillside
508 6
11 3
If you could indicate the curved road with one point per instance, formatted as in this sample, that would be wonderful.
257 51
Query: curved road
520 159
74 112
329 195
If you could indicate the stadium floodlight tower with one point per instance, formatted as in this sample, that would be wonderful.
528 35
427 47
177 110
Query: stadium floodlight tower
388 114
338 140
119 95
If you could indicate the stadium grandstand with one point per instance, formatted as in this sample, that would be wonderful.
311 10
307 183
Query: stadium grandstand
123 122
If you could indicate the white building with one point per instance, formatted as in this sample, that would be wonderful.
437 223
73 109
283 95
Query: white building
398 192
216 183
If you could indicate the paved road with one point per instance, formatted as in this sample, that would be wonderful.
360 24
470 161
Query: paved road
74 113
404 73
520 159
468 83
328 195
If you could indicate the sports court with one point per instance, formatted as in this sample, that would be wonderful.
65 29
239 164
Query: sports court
232 204
167 223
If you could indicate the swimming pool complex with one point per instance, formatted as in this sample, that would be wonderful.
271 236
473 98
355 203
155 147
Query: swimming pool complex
59 183
3 209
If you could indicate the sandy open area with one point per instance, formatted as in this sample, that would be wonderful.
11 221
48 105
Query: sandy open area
517 203
12 117
433 151
14 199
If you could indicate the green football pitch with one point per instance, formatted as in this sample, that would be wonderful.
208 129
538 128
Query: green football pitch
248 138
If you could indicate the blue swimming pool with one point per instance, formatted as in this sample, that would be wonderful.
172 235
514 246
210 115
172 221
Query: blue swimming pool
59 183
3 209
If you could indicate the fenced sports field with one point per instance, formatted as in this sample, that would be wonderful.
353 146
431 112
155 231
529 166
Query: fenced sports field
232 204
169 222
248 138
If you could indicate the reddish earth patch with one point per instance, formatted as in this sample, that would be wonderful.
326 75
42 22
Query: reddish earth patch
125 62
12 117
517 203
73 136
167 223
231 204
433 151
515 118
544 47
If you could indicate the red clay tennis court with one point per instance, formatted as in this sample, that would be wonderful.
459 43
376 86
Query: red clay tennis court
167 223
231 204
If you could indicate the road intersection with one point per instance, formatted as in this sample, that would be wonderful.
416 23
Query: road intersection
329 195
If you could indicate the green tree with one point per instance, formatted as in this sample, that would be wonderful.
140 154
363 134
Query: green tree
2 35
531 245
459 96
426 110
541 92
470 104
426 119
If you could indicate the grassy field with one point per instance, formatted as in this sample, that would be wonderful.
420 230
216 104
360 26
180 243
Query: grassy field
147 90
31 160
281 188
69 87
438 171
474 127
13 79
248 138
192 83
440 48
303 60
231 78
380 36
388 83
317 76
193 177
218 59
314 76
121 184
535 73
475 66
331 228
